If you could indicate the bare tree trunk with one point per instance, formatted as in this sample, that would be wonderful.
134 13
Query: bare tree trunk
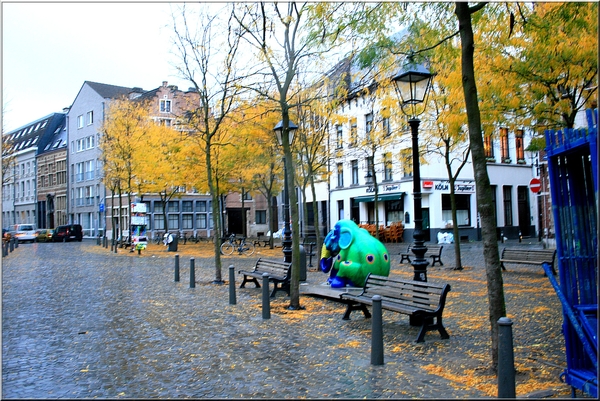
497 307
215 214
316 213
455 231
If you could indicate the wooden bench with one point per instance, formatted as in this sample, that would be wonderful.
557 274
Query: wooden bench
278 271
433 251
262 240
309 243
528 256
420 300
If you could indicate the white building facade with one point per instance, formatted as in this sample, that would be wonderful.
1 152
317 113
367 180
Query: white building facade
355 167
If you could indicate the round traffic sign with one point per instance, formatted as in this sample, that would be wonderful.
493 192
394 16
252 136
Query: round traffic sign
535 185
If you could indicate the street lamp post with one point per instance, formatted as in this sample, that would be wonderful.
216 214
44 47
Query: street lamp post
412 84
286 241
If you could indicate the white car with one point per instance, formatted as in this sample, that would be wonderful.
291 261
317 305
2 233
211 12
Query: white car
25 232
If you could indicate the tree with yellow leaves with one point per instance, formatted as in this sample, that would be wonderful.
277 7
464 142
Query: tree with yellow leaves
126 127
257 158
212 69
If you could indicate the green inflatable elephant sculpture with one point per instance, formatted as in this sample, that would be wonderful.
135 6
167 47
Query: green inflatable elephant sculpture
350 253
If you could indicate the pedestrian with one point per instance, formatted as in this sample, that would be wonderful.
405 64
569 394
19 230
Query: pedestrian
168 238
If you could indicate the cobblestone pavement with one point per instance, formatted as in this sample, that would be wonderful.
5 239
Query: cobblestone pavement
80 322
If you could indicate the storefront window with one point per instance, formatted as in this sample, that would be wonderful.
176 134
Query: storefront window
394 211
463 210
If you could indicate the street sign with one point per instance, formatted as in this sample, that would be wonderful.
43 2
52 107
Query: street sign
535 185
101 207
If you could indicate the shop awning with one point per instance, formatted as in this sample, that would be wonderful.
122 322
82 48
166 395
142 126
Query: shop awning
380 197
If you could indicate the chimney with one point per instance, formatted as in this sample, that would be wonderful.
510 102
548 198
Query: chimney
165 83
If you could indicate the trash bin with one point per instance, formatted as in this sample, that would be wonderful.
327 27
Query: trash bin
173 244
302 263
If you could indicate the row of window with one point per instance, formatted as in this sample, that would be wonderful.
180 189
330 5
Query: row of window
20 190
388 172
25 170
369 124
82 144
504 153
22 217
52 179
27 130
89 117
156 221
84 171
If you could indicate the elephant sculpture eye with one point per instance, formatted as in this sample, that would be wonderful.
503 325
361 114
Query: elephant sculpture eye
339 257
370 258
385 257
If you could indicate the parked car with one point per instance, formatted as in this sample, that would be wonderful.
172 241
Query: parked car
67 233
45 235
25 232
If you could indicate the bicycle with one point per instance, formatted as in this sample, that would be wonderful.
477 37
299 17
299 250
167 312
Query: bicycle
195 238
243 248
157 238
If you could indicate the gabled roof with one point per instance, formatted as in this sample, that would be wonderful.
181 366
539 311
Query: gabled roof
151 94
109 91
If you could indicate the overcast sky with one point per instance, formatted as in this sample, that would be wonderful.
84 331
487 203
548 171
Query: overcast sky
50 49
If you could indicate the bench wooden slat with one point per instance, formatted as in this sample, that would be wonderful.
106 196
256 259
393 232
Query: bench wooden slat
278 271
413 298
433 251
528 256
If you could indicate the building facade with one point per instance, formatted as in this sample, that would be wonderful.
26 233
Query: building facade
187 211
86 191
362 167
52 177
20 172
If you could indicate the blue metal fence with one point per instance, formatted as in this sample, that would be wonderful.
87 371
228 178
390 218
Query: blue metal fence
573 170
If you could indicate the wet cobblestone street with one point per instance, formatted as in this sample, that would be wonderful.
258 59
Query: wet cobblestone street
80 322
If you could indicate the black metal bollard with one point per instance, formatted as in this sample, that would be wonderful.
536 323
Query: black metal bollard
506 360
16 243
232 300
376 332
177 267
266 298
192 273
12 244
105 242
